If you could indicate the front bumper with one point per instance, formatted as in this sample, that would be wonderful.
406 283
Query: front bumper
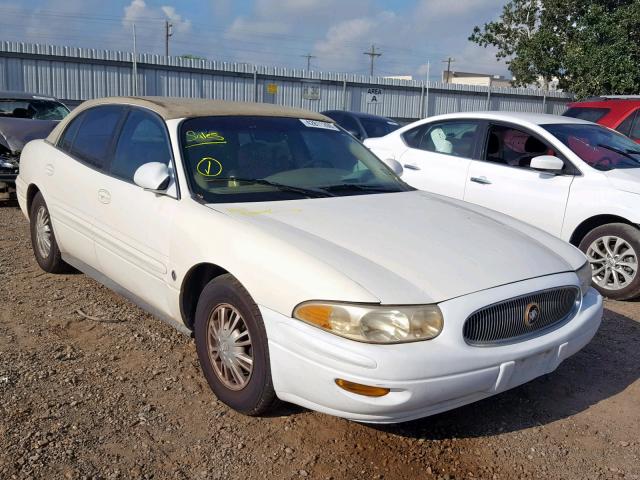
427 377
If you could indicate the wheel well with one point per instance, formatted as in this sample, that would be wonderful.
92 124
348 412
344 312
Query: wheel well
31 193
194 282
595 222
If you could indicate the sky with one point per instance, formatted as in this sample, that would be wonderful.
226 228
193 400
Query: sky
408 33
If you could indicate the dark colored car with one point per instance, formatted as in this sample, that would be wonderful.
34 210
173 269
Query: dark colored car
363 125
23 117
622 113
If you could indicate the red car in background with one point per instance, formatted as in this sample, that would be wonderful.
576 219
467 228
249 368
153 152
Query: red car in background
620 112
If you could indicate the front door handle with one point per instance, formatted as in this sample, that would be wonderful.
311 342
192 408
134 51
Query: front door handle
411 166
481 180
104 196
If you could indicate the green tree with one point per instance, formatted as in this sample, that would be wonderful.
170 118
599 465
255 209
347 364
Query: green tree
591 46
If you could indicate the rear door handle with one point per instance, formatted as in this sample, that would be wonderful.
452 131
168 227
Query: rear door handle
481 180
104 196
411 166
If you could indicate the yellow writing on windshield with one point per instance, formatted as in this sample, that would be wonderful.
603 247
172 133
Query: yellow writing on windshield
209 167
195 139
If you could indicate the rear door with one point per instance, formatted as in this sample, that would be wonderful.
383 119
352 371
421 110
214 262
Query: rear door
134 226
503 180
75 169
439 156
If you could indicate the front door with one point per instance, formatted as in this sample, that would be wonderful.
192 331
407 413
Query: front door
503 180
134 228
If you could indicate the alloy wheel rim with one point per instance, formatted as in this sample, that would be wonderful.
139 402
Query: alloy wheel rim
43 232
614 262
229 347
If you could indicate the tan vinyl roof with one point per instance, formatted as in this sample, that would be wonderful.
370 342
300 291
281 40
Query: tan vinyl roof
174 107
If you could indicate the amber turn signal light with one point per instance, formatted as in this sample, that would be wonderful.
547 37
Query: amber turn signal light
360 389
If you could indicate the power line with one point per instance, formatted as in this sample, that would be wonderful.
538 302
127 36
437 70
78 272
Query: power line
372 56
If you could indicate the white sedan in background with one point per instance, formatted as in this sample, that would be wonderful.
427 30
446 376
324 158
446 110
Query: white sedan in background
305 268
575 179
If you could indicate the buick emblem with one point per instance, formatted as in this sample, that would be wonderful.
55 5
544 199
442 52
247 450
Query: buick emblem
531 314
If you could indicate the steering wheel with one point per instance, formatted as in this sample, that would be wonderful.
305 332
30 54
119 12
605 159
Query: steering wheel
317 164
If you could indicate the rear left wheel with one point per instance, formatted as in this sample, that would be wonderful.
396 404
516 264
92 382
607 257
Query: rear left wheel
43 239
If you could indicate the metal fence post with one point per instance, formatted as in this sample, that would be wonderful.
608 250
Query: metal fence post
422 101
489 98
344 94
255 84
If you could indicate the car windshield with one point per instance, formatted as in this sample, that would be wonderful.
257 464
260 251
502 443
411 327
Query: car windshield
35 109
378 128
255 159
599 147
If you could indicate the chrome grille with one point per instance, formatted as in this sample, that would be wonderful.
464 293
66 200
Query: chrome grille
508 321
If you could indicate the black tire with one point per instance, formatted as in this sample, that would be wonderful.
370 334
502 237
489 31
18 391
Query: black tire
629 234
51 262
258 395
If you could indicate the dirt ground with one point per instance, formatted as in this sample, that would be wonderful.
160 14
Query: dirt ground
123 397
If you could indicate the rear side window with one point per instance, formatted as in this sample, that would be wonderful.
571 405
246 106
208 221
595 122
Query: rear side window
456 138
590 114
92 143
625 126
143 140
69 135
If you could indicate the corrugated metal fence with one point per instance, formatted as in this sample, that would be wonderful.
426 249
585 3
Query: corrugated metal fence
76 74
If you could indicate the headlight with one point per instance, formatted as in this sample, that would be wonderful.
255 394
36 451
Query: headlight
585 274
373 323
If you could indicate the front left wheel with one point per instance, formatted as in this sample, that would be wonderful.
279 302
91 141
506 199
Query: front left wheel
231 343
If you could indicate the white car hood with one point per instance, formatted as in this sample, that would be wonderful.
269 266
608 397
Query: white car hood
411 247
625 179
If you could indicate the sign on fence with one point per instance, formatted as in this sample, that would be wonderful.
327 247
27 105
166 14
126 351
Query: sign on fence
374 95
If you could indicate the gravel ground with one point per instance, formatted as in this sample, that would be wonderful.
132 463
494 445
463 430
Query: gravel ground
123 397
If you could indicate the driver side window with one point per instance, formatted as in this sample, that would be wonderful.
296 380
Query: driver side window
143 139
514 147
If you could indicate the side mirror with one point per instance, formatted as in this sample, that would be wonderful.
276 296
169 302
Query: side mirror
152 176
394 165
547 163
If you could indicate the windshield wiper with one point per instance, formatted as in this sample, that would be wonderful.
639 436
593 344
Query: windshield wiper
625 153
360 187
309 192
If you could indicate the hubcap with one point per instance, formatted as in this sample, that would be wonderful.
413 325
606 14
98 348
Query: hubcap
614 262
229 347
43 232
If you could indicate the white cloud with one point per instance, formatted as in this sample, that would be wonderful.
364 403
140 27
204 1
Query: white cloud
138 10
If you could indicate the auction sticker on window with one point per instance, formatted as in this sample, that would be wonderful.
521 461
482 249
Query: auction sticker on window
318 124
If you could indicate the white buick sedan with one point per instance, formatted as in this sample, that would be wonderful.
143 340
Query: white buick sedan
575 179
305 268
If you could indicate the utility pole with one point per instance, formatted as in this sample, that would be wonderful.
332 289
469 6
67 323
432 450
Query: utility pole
135 63
168 32
448 61
308 56
372 55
